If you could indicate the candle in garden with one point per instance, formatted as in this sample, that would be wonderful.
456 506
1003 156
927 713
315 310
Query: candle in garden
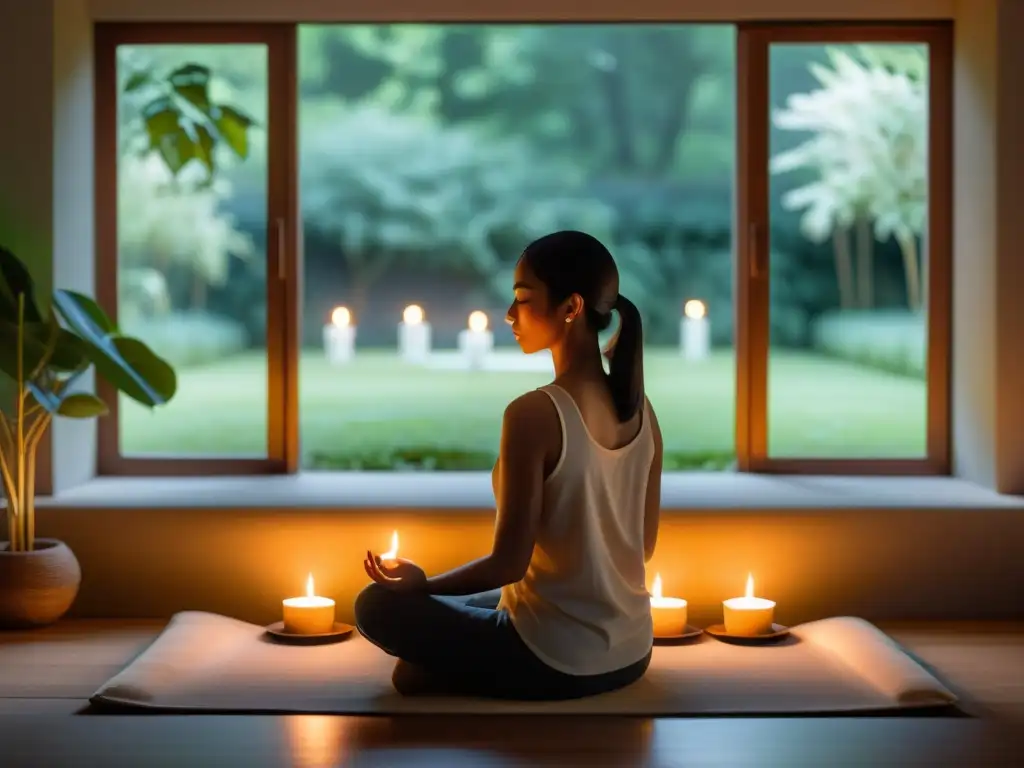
309 615
476 342
695 331
340 337
391 555
414 336
748 615
669 614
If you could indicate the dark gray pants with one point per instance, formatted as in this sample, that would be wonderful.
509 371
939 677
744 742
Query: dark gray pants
466 646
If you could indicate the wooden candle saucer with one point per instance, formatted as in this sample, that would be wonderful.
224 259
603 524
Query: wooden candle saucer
688 634
338 633
778 632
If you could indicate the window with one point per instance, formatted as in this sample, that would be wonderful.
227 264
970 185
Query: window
194 209
329 271
845 192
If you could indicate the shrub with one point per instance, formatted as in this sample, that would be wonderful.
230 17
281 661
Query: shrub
191 337
894 341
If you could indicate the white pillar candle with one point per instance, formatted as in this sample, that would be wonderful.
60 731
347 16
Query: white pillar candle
309 615
695 331
340 337
669 614
414 336
476 342
748 615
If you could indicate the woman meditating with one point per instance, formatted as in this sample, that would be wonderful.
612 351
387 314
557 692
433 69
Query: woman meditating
577 486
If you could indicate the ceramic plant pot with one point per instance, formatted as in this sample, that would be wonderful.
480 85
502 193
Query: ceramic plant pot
37 587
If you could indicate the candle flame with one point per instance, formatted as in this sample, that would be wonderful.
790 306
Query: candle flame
477 321
309 587
412 315
694 309
392 554
341 317
656 588
750 585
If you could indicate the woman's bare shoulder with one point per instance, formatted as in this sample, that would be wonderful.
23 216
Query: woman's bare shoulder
532 430
533 409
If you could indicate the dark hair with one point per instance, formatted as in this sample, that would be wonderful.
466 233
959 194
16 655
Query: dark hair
571 262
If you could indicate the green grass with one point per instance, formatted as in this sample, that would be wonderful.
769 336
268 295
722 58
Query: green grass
376 407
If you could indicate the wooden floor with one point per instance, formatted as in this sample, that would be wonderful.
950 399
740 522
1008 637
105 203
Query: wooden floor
47 676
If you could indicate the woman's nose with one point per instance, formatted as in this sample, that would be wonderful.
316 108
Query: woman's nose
508 317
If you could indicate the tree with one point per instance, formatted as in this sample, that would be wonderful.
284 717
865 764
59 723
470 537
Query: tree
395 189
618 99
613 120
162 225
869 154
176 133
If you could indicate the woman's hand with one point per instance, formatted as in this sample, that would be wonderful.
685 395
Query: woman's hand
400 575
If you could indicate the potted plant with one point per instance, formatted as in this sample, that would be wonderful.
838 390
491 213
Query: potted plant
44 351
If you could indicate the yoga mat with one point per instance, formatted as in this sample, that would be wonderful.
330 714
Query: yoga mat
206 662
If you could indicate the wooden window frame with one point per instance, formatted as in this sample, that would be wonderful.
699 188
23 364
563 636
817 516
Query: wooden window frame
753 253
283 269
751 219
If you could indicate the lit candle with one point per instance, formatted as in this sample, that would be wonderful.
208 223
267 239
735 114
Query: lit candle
309 615
414 336
340 337
391 555
748 615
668 613
476 342
695 331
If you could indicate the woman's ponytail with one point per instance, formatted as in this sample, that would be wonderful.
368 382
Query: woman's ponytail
626 360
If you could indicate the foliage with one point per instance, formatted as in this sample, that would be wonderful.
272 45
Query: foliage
889 341
179 129
163 224
434 459
598 95
179 119
191 337
393 188
45 358
475 138
868 149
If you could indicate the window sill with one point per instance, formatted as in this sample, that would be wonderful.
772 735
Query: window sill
472 491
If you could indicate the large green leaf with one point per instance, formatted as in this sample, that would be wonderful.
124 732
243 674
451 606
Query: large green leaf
161 117
178 148
167 130
203 147
233 126
108 351
69 352
95 317
192 83
112 364
14 280
35 339
157 372
138 79
82 405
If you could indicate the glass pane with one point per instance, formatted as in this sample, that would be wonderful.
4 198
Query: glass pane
191 253
849 210
431 154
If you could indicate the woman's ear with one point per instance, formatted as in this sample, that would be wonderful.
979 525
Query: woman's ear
575 309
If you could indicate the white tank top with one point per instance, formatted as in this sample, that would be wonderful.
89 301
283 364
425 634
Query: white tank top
583 606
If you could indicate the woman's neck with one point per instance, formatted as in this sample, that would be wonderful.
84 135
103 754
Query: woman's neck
578 358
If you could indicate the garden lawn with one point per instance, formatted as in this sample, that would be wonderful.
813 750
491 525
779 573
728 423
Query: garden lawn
377 405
